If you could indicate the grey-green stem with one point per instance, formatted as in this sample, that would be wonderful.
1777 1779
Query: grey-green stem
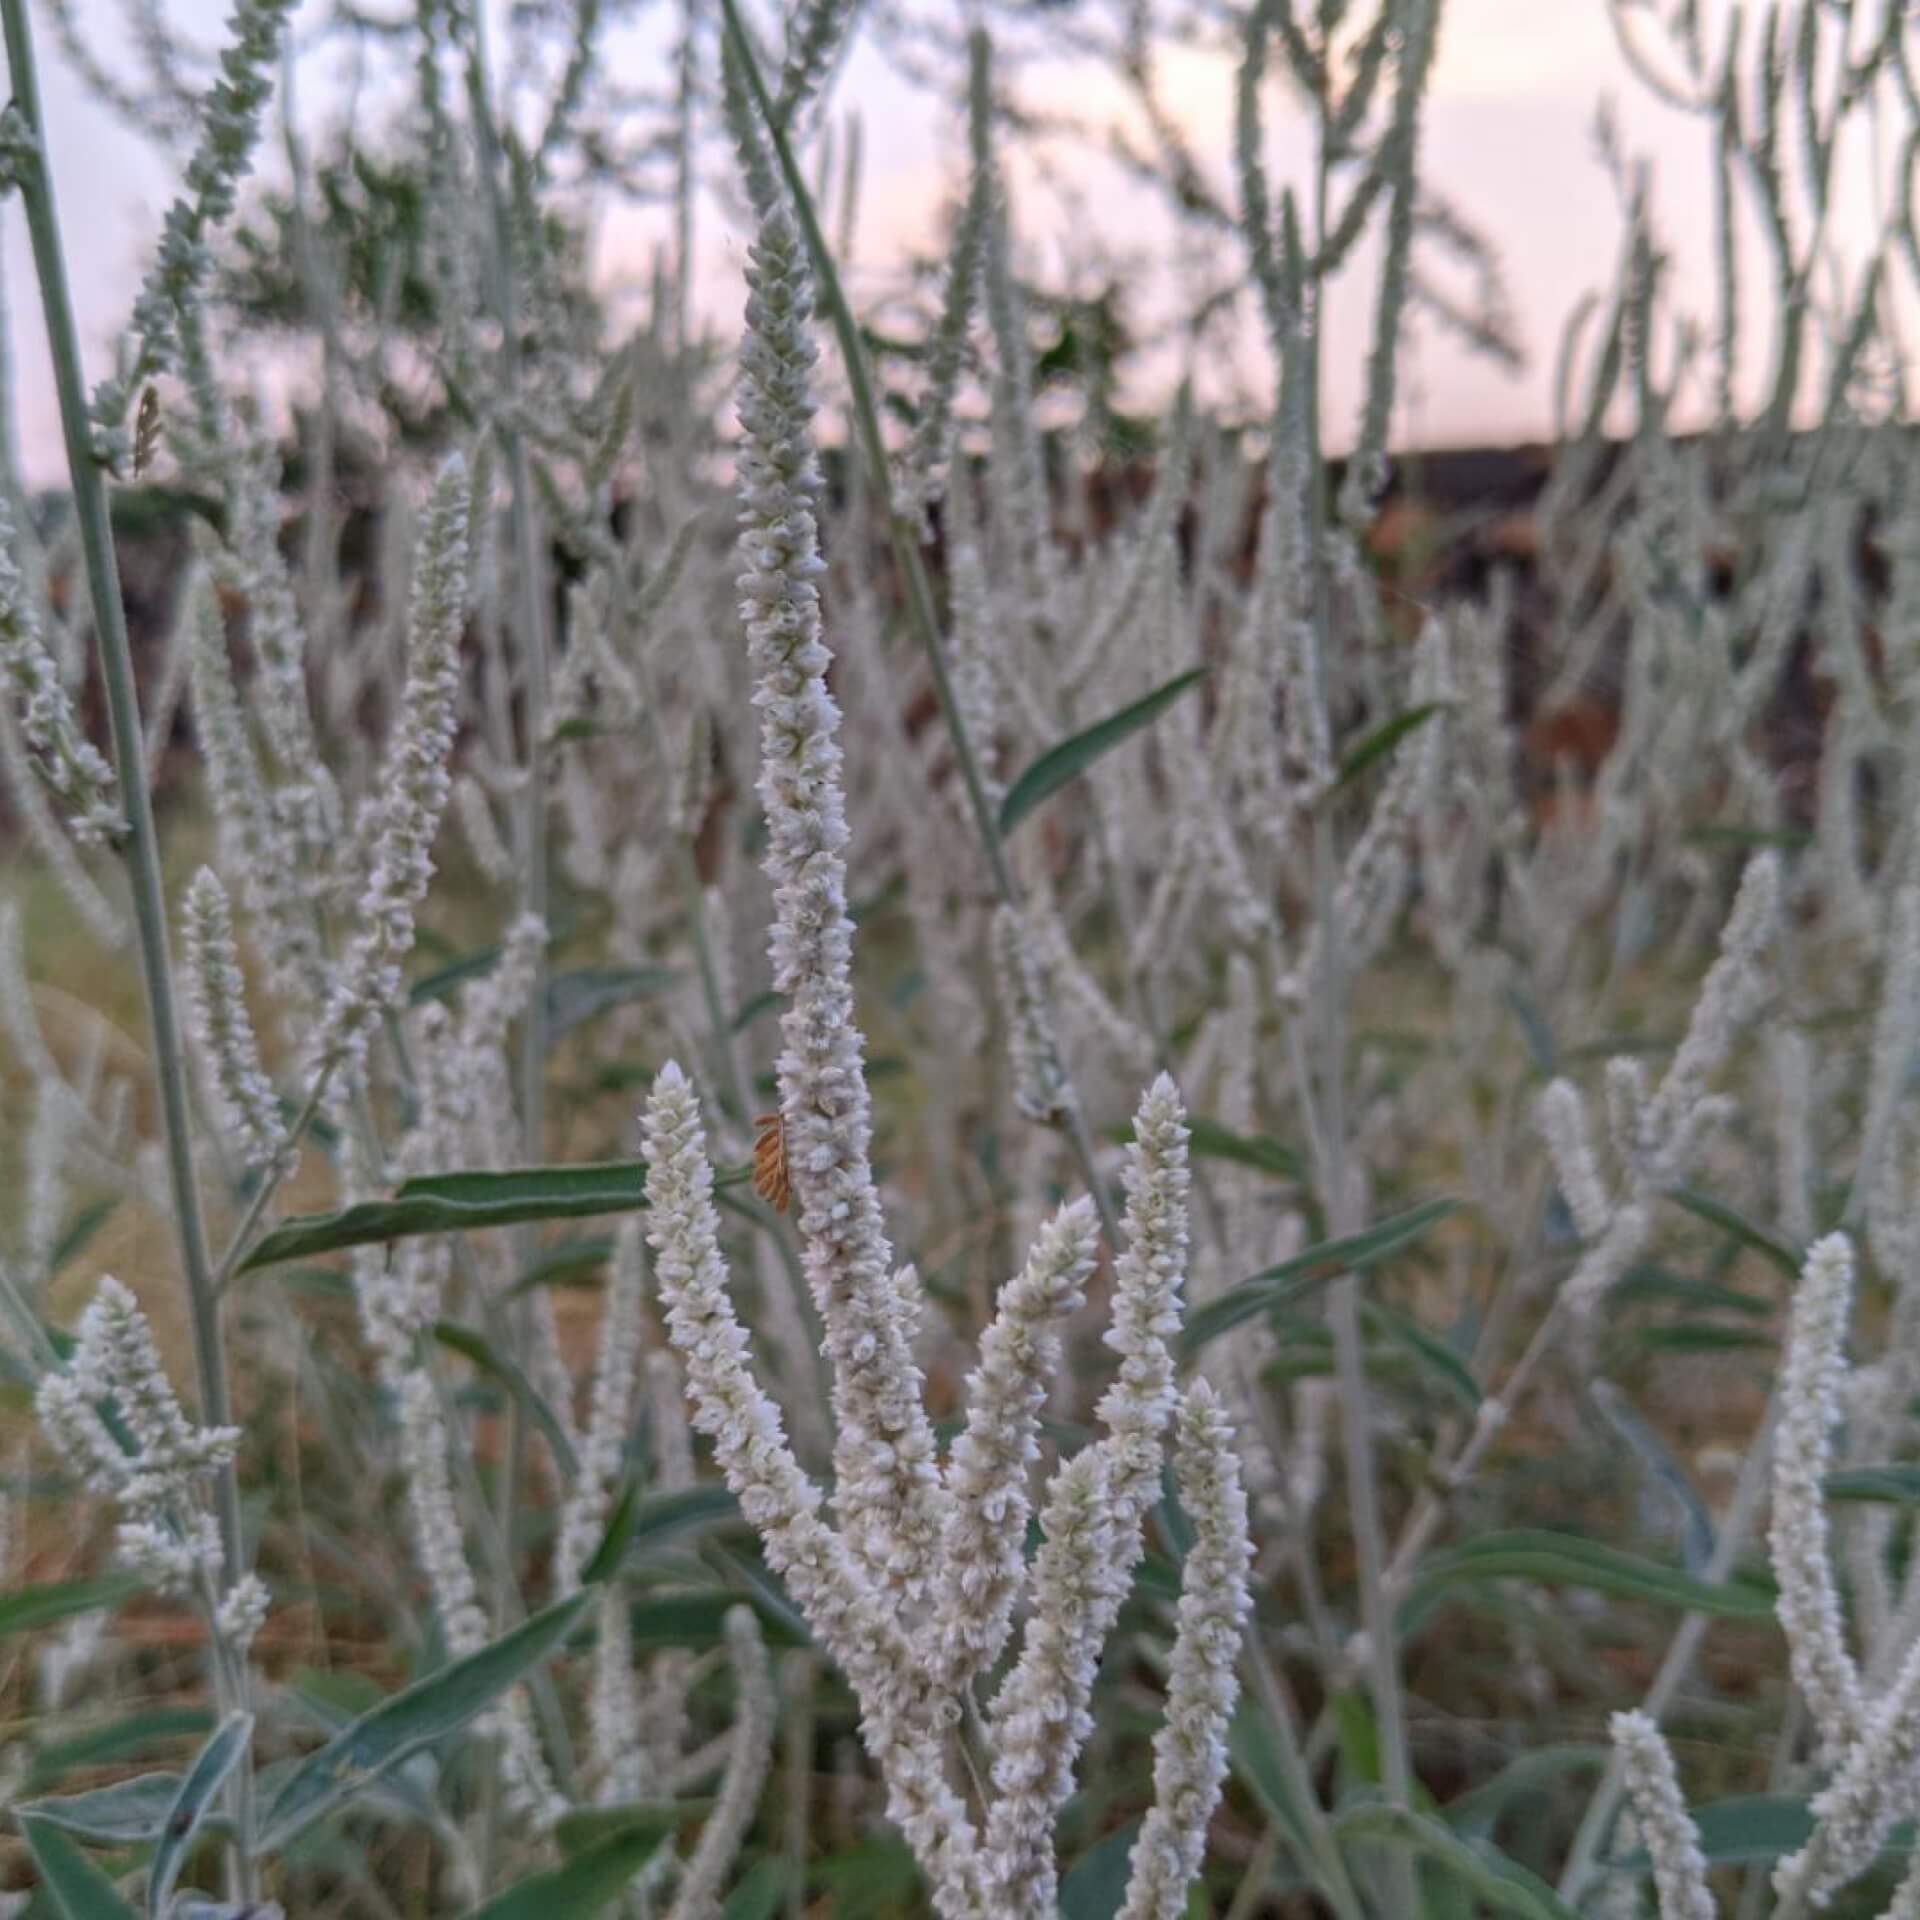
141 846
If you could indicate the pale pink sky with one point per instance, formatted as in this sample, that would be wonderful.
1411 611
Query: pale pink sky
1507 138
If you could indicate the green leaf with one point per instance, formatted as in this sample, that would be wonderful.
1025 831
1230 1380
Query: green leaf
1382 741
465 1203
425 1712
125 1814
118 1740
1567 1560
566 1264
1535 1031
1427 1351
595 1826
80 1890
576 997
1353 1253
1898 1484
211 1766
33 1607
1074 755
1737 1226
1499 1882
1747 1830
698 1619
481 1352
1208 1140
81 1229
1481 1810
760 1894
583 1886
661 1517
1095 1887
442 982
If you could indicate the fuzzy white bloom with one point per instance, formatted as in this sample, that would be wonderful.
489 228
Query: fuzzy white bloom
54 843
1041 1089
1190 1750
775 1494
414 783
241 1093
1872 1788
614 1712
887 1491
1604 1263
1813 1383
603 1449
1666 1828
1147 1280
846 1611
157 1475
1040 1715
983 1550
253 849
1732 993
1094 1513
473 809
242 1612
749 1747
1561 1116
439 1538
1791 1060
70 766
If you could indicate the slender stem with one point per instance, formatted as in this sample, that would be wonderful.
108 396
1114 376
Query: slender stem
142 848
904 539
532 620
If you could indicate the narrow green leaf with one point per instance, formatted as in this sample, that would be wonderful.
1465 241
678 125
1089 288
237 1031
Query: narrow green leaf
659 1517
595 1826
125 1814
1074 755
33 1607
211 1766
1499 1882
697 1619
1737 1226
482 1353
1567 1560
1378 744
1427 1351
583 994
1747 1830
566 1264
425 1712
80 1230
80 1890
1482 1809
615 1538
1353 1253
583 1886
465 1203
1097 1884
443 981
1897 1484
117 1741
1208 1140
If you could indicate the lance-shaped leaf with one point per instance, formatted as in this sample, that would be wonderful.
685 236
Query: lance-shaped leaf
1716 1213
1351 1253
484 1355
425 1712
80 1890
128 1813
465 1203
1495 1880
1567 1560
1378 744
584 1885
1073 756
209 1772
60 1600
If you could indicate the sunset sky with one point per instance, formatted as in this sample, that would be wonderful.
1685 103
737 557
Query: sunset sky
1508 139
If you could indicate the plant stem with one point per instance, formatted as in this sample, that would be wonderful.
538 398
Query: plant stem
141 847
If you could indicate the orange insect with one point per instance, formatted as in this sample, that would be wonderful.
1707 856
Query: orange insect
770 1180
